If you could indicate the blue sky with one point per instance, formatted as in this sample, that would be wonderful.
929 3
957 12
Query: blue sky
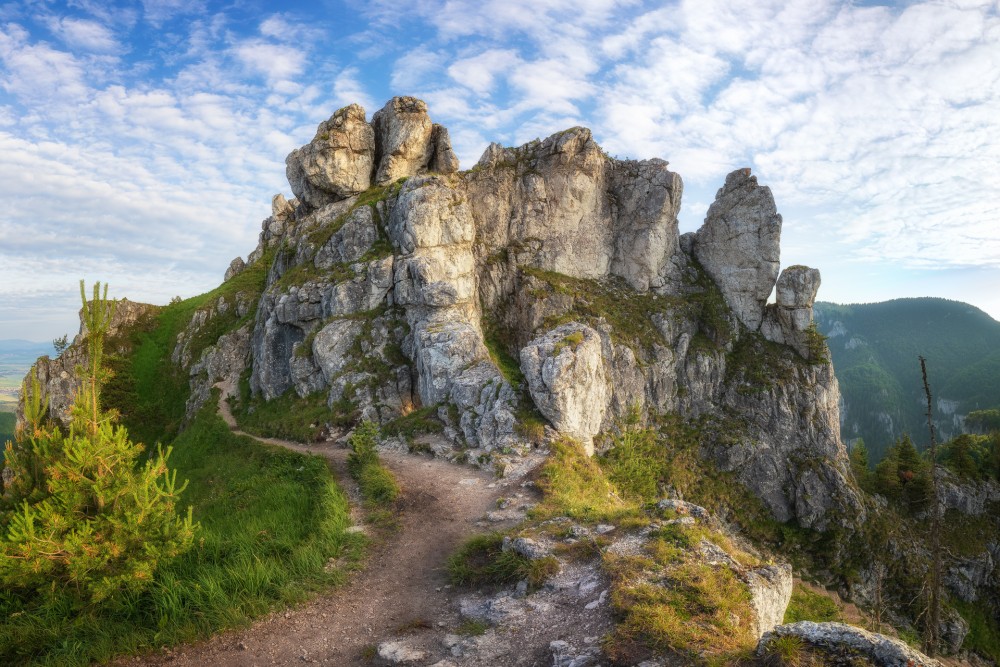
141 141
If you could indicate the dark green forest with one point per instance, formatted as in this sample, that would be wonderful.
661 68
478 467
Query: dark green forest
875 349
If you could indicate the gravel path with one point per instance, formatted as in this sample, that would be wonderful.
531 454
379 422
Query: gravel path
402 590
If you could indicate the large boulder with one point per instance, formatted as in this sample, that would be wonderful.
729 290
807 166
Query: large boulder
564 369
770 590
839 640
739 245
337 163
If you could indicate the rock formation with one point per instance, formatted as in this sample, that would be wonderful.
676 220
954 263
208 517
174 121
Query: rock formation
395 281
57 377
739 245
843 644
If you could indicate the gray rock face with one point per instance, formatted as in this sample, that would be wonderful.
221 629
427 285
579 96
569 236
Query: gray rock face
382 300
788 320
844 640
222 363
568 208
739 245
967 577
564 369
431 227
337 163
235 268
770 590
57 377
404 137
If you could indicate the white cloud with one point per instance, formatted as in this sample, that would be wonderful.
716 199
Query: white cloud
37 72
411 71
85 35
275 62
479 73
347 89
157 12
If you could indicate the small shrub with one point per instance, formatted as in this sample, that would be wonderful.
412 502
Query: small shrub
378 486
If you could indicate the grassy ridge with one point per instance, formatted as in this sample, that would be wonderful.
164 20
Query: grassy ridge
271 520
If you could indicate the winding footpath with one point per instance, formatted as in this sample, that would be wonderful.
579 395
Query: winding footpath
402 590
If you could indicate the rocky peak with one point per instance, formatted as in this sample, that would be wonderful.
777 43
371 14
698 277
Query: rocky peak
348 155
549 280
739 245
337 163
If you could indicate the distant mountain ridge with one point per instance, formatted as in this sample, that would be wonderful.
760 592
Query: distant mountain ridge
875 349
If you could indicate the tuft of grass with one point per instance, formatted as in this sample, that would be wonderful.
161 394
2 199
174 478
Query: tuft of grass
378 486
576 486
482 562
472 628
787 651
688 609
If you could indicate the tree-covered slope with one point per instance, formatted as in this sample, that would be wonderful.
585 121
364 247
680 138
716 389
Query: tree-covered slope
875 349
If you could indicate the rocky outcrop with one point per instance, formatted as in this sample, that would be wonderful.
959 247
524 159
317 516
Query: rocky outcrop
562 205
337 163
408 143
841 642
540 245
564 370
789 320
739 245
57 377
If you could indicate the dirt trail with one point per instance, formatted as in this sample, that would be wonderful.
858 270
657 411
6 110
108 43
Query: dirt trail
401 590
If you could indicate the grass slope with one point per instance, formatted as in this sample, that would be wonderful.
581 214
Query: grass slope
271 520
879 373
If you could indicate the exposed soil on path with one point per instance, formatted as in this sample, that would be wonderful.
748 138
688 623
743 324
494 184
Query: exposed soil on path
403 588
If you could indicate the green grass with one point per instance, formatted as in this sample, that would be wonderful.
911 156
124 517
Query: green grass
669 602
270 522
984 630
291 417
148 389
806 605
482 562
377 484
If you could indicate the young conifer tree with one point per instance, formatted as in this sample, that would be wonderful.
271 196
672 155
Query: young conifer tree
82 516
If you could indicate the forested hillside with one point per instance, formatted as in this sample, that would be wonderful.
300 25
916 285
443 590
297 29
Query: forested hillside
875 349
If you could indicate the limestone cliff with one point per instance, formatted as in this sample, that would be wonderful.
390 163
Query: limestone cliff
548 279
394 281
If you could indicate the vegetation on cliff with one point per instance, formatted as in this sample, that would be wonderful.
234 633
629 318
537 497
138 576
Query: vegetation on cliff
270 520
